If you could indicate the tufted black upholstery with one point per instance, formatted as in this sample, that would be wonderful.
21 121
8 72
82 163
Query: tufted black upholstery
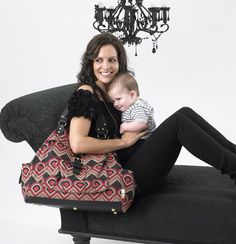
194 205
34 116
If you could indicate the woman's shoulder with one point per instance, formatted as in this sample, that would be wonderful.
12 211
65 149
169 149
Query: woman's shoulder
85 90
83 102
86 87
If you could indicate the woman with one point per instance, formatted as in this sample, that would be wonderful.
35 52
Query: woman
151 160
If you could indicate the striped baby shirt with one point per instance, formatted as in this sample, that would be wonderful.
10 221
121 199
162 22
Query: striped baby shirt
140 111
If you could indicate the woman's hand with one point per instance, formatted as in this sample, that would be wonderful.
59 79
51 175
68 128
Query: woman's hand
130 138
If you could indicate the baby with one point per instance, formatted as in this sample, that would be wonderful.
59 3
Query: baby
137 114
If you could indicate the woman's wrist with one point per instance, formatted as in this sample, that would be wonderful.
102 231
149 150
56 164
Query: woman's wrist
121 143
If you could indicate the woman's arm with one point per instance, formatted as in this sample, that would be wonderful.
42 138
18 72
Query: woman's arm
80 142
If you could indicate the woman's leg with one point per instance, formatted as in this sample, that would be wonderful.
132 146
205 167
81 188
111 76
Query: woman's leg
154 159
196 118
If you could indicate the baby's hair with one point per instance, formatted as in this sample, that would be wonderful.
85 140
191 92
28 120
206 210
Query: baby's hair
126 80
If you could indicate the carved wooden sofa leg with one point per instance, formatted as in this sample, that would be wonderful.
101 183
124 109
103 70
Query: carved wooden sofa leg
81 239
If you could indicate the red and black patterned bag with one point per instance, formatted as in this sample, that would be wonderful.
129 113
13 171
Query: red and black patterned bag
93 182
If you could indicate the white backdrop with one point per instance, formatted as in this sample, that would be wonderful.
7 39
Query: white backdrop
40 47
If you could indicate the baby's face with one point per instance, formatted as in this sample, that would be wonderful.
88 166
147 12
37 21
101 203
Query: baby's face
122 98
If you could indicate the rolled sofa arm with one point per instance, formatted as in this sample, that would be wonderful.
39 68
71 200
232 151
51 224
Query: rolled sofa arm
34 116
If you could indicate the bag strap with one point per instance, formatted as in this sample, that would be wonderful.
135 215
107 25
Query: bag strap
101 127
62 123
101 123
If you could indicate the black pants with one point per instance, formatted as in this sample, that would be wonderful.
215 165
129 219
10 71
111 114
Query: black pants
152 161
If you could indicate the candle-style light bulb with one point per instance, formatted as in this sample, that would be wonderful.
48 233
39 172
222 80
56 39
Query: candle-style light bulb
100 5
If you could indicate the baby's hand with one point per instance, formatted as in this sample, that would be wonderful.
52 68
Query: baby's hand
133 126
122 127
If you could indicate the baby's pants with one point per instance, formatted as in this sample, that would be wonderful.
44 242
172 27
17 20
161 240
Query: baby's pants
156 156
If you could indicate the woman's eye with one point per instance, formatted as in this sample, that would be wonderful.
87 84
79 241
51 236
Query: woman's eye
113 60
98 60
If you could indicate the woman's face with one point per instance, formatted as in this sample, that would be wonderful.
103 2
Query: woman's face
106 65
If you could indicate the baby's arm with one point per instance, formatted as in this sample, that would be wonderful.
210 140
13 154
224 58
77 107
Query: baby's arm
133 126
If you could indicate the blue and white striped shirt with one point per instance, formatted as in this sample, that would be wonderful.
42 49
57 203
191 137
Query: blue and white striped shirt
140 111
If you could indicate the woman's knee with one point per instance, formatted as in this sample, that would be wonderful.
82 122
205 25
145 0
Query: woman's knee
186 110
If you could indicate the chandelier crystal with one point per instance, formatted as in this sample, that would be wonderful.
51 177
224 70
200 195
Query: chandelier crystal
132 22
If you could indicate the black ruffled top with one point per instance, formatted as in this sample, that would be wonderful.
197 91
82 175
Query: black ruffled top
87 104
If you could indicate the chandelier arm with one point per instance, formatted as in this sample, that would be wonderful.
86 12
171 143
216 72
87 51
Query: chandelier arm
118 23
163 31
94 25
141 9
118 7
98 26
143 30
145 19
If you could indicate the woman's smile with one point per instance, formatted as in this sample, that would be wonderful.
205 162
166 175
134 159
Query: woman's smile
107 74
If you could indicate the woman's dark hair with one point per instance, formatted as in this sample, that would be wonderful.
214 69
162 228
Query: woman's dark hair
86 74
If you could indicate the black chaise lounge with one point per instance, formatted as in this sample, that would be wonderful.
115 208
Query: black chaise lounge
195 205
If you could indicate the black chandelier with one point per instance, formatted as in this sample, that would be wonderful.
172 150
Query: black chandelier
131 22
